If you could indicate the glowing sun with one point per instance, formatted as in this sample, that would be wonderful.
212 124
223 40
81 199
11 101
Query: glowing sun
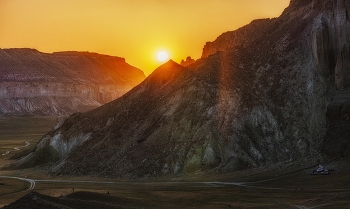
162 56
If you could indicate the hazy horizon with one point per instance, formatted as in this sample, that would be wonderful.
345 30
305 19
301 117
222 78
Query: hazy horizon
132 29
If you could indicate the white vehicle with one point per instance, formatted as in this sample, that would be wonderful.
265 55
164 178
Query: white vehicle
321 170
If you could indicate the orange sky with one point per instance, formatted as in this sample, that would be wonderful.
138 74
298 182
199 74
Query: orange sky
133 29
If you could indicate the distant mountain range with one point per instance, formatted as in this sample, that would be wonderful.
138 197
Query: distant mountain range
279 97
36 83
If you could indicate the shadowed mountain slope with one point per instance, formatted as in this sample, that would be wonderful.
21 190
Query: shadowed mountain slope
275 100
35 83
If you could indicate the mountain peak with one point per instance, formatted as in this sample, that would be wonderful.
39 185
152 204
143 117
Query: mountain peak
170 63
168 67
170 70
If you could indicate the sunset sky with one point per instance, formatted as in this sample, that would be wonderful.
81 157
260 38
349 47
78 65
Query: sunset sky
133 29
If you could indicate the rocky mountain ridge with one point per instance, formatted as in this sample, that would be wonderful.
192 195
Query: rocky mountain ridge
35 83
278 99
239 38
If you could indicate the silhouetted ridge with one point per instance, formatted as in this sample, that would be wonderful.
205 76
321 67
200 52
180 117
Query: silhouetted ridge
168 67
166 72
299 3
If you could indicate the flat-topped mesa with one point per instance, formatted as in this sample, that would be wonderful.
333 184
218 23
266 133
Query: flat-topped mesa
89 54
36 83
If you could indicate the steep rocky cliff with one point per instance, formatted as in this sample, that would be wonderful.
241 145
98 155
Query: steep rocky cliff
239 38
281 97
38 83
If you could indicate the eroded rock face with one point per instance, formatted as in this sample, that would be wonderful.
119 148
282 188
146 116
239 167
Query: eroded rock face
330 37
35 83
322 47
276 100
238 38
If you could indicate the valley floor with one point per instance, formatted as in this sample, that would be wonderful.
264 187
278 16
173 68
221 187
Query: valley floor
19 133
288 187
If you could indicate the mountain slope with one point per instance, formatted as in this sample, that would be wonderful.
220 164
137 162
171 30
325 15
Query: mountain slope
61 83
272 101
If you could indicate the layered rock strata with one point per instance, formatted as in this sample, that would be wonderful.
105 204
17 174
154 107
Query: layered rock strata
35 83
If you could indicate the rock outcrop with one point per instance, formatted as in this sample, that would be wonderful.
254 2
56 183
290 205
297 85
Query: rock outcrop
239 38
276 100
35 83
188 61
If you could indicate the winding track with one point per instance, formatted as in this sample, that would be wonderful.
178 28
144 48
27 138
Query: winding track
27 143
238 184
31 181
